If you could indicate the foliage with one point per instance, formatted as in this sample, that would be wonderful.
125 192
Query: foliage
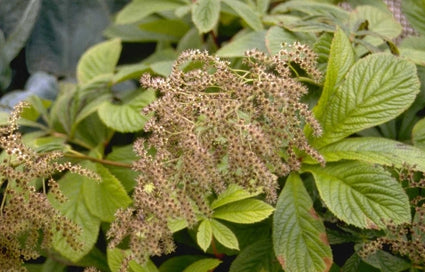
299 131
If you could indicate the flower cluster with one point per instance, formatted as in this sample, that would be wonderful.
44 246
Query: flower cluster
213 126
27 219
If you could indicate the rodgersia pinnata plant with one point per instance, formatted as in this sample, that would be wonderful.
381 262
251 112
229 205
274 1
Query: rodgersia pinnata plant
213 126
27 219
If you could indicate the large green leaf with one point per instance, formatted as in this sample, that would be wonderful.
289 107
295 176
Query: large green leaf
205 14
125 155
224 235
99 60
387 262
246 12
242 43
256 257
415 13
204 234
233 193
126 117
116 256
139 9
361 194
377 89
341 58
76 210
375 150
63 32
246 211
299 238
104 198
412 48
203 265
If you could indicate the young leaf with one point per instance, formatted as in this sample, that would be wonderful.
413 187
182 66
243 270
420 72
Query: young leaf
246 211
76 210
104 198
233 193
378 88
205 14
246 13
224 235
204 234
99 60
375 150
203 265
361 194
299 238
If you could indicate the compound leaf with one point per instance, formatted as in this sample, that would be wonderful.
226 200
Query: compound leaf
224 235
204 234
246 211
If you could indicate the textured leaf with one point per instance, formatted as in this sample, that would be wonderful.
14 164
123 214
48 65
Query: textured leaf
246 12
139 9
256 257
299 238
233 193
115 257
224 235
104 198
203 265
418 134
242 43
246 211
361 194
205 14
99 60
123 154
126 117
75 209
375 150
387 262
341 58
377 88
412 48
414 10
204 234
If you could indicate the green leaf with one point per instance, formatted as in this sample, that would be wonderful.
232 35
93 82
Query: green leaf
246 12
92 133
75 209
414 10
275 36
139 9
341 58
115 257
104 198
95 258
204 234
177 264
361 194
53 265
126 117
123 154
377 89
203 265
98 60
299 238
387 262
233 193
246 41
352 263
176 224
375 150
412 48
17 39
246 211
256 257
205 14
224 235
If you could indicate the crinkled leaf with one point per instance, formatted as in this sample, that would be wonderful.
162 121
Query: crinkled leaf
414 10
322 47
126 117
224 235
75 209
299 238
139 9
233 193
203 265
377 89
361 194
242 43
104 198
99 60
246 211
205 14
246 12
204 234
375 150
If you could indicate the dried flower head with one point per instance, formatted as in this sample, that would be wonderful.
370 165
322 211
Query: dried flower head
214 126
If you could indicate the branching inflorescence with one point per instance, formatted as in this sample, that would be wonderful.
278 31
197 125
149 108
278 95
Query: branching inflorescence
27 219
213 126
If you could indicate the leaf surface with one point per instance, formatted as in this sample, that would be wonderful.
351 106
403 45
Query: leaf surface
246 211
203 265
247 13
233 193
242 43
414 11
205 14
224 235
204 234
